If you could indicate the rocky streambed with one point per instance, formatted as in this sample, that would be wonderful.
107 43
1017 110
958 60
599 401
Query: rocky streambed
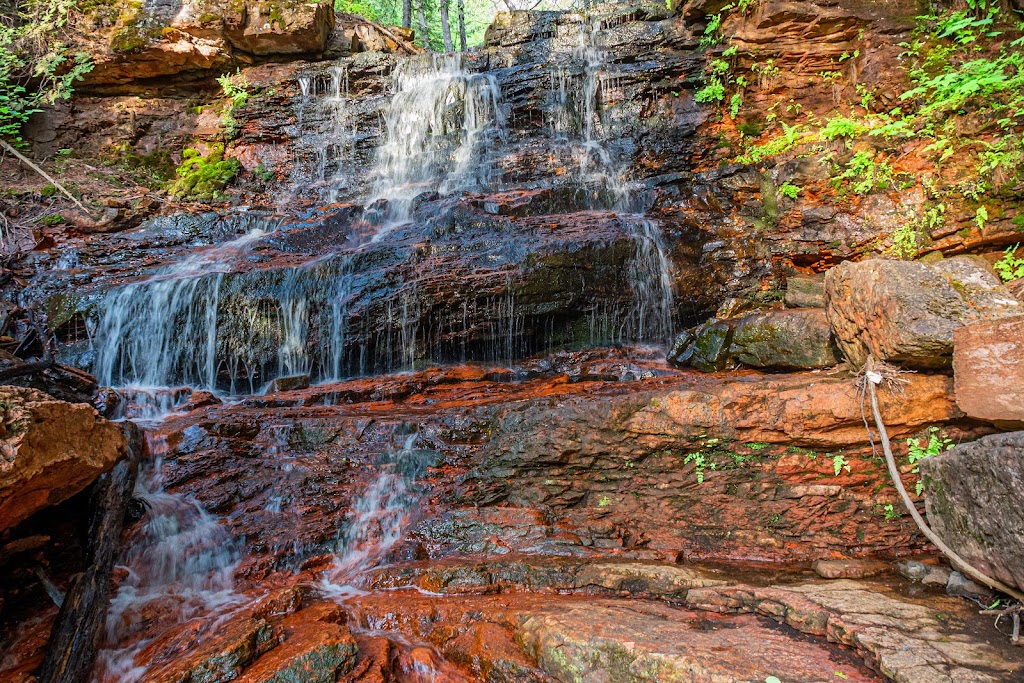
513 365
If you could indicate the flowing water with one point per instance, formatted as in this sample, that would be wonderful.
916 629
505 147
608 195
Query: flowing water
179 565
379 517
440 124
201 324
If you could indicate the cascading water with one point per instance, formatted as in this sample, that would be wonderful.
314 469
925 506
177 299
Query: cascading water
582 119
439 125
379 517
205 325
332 139
179 565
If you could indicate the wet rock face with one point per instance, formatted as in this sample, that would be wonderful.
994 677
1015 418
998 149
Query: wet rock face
973 496
645 643
907 313
795 339
49 451
566 464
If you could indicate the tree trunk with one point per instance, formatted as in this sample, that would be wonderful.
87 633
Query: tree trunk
406 13
446 28
424 29
462 25
76 634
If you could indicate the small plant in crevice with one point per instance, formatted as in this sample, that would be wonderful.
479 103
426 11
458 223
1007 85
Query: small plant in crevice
937 443
865 174
840 463
236 88
1010 267
788 189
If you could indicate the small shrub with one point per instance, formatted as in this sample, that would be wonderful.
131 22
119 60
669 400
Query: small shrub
865 174
790 190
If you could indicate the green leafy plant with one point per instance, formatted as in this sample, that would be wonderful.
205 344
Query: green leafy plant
840 463
790 190
937 443
842 127
1011 266
36 66
864 174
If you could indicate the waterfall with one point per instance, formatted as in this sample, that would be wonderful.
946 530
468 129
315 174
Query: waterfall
439 125
379 517
180 565
162 330
581 119
328 128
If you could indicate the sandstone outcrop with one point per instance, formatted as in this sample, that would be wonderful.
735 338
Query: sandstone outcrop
988 370
49 451
793 339
973 500
906 312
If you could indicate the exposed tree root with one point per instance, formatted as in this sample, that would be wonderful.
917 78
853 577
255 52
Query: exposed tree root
876 373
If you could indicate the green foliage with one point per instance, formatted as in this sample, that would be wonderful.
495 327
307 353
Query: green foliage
791 136
890 512
700 463
840 463
981 217
790 190
235 87
478 16
937 443
1010 267
715 79
36 67
906 242
710 37
864 174
204 178
842 127
735 103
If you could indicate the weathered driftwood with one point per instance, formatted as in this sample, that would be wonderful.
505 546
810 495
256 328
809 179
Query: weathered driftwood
71 651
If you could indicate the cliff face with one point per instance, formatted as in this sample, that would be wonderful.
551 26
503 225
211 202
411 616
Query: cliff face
594 123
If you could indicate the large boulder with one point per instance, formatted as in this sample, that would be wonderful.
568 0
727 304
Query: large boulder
974 503
988 370
268 27
906 312
798 339
49 451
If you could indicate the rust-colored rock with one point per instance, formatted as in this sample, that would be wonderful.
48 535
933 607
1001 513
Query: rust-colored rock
265 27
49 451
988 371
317 647
848 569
794 409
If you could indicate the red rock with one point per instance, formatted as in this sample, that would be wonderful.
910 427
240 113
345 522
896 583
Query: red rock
988 370
316 647
848 569
49 451
907 312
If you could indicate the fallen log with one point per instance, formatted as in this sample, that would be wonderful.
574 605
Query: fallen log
75 638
